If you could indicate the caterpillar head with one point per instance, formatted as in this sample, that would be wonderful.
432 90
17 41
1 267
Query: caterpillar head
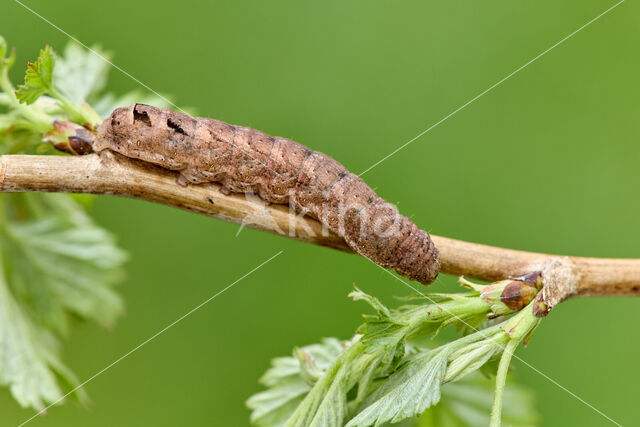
144 132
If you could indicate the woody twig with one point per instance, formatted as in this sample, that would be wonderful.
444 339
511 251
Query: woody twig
112 174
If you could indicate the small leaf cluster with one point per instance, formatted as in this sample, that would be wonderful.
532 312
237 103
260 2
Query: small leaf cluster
57 267
38 78
383 375
365 381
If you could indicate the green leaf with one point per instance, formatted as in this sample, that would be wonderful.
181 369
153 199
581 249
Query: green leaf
62 263
382 377
29 362
281 370
374 302
287 387
382 331
409 392
473 356
38 77
274 406
333 407
325 405
81 74
56 264
326 353
468 403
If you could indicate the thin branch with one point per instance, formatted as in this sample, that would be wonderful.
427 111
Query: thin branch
113 174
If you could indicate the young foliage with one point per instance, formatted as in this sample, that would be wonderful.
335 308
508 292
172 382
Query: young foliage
80 75
56 264
62 262
31 365
382 376
407 393
289 380
38 78
468 403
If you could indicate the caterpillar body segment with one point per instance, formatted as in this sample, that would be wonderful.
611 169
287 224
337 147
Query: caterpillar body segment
279 171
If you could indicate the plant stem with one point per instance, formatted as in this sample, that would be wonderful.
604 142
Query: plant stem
109 173
501 379
332 378
88 116
41 121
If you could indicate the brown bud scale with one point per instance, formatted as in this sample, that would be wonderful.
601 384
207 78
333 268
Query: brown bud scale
278 170
517 294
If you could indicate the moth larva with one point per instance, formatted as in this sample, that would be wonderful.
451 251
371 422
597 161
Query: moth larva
279 171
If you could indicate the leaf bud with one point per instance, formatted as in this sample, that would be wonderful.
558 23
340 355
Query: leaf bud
540 308
70 138
510 295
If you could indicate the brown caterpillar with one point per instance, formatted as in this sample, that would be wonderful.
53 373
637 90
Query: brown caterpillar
279 171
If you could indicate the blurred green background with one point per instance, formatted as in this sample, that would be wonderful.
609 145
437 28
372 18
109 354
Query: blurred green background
548 161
